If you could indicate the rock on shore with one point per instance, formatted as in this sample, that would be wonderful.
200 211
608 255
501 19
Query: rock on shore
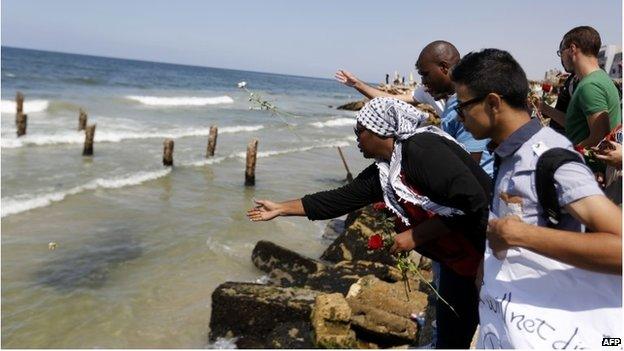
349 298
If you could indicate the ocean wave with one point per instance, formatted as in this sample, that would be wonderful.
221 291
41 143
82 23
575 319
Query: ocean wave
21 203
76 137
208 161
270 153
338 122
181 100
83 80
63 106
30 106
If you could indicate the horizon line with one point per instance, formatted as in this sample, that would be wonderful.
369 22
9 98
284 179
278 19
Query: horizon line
160 62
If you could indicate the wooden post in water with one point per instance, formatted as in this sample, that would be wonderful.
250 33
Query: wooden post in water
344 162
19 106
19 102
82 120
250 168
212 141
88 144
168 152
20 121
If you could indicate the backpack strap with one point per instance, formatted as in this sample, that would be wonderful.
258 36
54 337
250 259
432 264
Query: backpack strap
547 163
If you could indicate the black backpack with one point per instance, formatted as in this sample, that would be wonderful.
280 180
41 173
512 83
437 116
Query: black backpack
545 169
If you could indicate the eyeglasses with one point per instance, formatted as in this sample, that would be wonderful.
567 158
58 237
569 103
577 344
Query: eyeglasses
460 107
560 51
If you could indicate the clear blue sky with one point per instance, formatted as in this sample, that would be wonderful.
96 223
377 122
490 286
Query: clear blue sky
310 38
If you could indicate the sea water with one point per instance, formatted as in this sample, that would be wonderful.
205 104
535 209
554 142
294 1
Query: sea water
141 247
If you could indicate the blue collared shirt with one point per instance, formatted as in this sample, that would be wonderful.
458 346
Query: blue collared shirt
452 125
514 187
573 303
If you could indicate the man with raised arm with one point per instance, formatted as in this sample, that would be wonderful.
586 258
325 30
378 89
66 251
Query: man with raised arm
434 65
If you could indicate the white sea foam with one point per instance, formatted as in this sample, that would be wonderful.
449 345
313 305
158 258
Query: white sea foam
21 203
209 161
30 106
264 279
181 100
223 343
338 122
270 153
114 136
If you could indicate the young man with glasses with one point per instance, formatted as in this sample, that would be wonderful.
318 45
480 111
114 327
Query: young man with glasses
543 286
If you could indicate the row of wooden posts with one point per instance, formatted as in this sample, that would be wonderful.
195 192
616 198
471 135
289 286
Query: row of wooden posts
250 164
252 147
21 122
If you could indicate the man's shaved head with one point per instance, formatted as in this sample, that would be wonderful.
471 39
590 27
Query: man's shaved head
440 51
434 65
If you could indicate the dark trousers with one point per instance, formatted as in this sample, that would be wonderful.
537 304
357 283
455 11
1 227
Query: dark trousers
460 292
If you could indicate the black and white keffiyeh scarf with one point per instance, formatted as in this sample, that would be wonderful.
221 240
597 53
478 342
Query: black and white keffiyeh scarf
391 117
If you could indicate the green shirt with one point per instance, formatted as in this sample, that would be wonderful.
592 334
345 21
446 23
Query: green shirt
594 93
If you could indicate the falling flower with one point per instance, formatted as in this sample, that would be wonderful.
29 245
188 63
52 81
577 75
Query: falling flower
375 242
52 246
262 104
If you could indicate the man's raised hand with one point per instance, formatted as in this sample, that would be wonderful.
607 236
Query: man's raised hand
346 78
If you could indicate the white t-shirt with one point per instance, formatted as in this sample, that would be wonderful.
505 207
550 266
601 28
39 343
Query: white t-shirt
422 96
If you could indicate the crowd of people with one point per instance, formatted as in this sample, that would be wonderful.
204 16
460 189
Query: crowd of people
526 238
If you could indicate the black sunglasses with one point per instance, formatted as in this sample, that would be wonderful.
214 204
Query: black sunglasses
460 107
560 51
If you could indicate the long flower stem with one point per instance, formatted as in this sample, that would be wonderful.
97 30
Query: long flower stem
417 271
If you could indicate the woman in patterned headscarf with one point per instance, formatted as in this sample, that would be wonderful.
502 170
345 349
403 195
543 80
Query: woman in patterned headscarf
439 194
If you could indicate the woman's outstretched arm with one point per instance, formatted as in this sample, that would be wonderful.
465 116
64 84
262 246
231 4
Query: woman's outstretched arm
363 190
266 210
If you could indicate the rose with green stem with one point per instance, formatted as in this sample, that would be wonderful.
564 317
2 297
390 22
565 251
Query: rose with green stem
263 104
404 263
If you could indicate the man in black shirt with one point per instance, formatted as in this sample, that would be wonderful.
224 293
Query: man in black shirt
416 168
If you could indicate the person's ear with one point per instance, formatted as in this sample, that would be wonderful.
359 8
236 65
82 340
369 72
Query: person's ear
494 103
444 67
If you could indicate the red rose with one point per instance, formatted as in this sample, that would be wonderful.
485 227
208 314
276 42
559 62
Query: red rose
375 242
546 87
379 206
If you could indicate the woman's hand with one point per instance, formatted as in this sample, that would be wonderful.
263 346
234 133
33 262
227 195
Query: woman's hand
265 210
403 242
